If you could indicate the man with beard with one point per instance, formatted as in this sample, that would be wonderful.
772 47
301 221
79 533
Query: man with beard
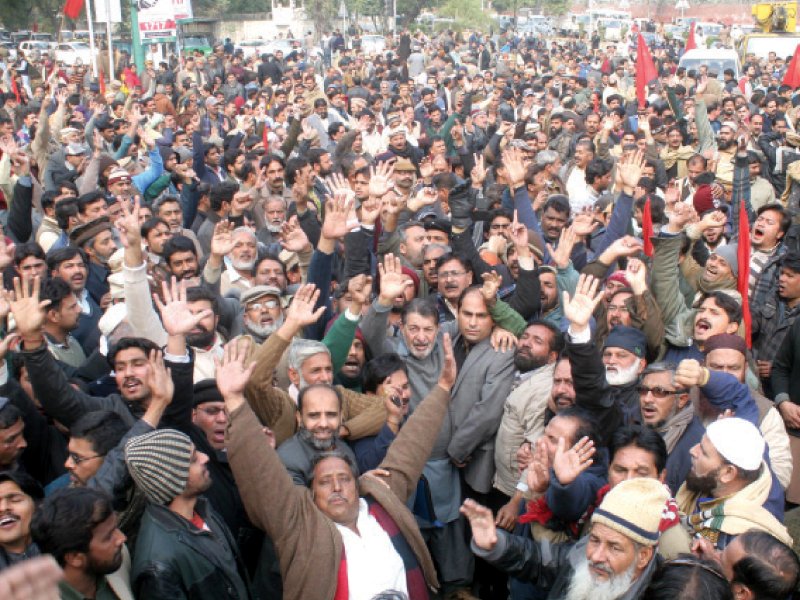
729 479
274 217
270 270
96 239
183 546
321 167
675 155
19 494
524 411
263 311
727 148
169 208
615 560
69 265
79 528
695 167
242 252
180 258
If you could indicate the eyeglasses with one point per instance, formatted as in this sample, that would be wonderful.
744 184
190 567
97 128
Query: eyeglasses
77 459
269 304
451 274
658 391
617 308
212 411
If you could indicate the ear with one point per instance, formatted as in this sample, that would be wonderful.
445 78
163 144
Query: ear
643 557
76 560
742 592
732 328
683 399
642 364
662 477
294 376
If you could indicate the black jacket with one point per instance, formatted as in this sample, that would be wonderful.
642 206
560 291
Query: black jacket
174 559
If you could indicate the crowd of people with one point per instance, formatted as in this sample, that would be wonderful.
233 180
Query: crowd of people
462 319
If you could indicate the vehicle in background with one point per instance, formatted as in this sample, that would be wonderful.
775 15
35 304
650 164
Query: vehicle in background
288 45
11 47
71 53
196 43
373 44
612 30
777 24
81 34
5 36
252 47
710 30
536 25
29 46
19 36
43 37
716 61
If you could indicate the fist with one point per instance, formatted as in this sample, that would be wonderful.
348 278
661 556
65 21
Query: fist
690 372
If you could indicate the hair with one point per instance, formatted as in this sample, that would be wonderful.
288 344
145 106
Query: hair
9 415
585 421
401 231
786 219
302 349
151 224
27 249
660 367
559 203
320 456
727 303
103 429
178 243
127 343
201 293
688 577
315 156
222 192
790 260
642 437
60 255
420 306
769 568
166 200
55 290
379 368
317 386
273 258
556 343
292 168
450 256
90 198
65 521
596 168
64 210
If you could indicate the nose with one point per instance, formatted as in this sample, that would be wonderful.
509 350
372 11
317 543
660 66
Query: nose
597 554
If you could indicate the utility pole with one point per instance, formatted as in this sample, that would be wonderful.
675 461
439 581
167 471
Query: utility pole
136 39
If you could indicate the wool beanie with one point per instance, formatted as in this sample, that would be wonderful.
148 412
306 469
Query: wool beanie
159 463
730 254
634 508
628 338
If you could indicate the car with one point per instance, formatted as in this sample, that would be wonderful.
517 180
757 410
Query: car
612 28
251 47
289 45
373 44
717 60
536 25
30 46
11 48
196 43
71 53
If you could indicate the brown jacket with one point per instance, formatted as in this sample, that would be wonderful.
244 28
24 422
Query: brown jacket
362 415
308 543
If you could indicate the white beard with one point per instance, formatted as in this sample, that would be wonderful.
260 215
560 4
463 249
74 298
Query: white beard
623 376
263 330
243 265
586 586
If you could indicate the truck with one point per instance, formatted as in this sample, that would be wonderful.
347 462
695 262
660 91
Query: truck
776 24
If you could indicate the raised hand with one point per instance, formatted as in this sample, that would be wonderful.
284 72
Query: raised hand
360 288
539 469
232 374
176 315
629 171
447 377
128 225
583 224
518 234
159 378
636 274
426 196
490 287
301 311
515 167
690 372
481 521
569 464
337 183
682 214
380 179
578 310
503 340
566 242
716 218
393 281
624 246
222 240
293 238
371 209
337 211
426 168
29 312
6 253
478 173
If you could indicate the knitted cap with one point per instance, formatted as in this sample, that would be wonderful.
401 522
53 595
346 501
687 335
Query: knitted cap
730 254
634 508
159 463
627 338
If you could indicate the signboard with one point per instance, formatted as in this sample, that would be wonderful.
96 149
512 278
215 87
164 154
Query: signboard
157 18
107 11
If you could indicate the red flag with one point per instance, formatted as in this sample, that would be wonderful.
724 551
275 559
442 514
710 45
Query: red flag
101 81
265 137
743 281
645 70
647 228
792 77
15 88
73 8
691 44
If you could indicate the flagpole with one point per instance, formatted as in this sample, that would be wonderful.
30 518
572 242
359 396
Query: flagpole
110 45
91 37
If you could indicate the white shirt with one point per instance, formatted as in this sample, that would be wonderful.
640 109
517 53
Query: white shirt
373 565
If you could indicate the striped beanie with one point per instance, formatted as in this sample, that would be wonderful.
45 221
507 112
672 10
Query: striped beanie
634 508
159 463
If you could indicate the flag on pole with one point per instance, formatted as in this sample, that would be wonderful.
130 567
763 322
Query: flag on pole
645 70
792 77
101 82
743 281
265 137
15 88
73 8
691 43
647 228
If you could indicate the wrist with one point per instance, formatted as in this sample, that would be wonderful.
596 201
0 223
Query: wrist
386 302
31 341
705 377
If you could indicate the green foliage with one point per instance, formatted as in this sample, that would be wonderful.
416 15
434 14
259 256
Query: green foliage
467 13
22 14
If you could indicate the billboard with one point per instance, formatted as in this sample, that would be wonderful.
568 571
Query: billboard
157 18
107 11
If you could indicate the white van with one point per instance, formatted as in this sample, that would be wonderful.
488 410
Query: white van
716 61
612 28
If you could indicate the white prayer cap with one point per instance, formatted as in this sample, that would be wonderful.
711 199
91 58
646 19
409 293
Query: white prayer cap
738 441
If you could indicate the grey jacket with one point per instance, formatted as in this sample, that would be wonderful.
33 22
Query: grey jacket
297 456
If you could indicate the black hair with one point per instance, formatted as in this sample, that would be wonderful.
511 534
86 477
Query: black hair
64 210
379 368
60 255
9 415
222 192
293 167
446 258
127 343
727 303
26 249
201 292
151 224
90 198
178 243
688 577
786 219
556 343
585 421
315 156
645 438
790 260
558 202
597 168
317 386
65 521
103 429
271 257
420 306
769 568
55 290
320 456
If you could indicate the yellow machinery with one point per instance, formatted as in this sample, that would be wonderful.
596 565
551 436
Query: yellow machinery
776 17
777 22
